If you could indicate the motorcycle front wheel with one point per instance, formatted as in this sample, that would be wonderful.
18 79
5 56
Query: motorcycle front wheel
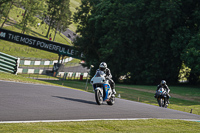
160 102
98 97
111 101
165 105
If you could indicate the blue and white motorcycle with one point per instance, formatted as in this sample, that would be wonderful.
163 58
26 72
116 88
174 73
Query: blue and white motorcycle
102 89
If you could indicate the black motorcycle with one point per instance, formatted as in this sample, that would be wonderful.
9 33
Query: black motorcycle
161 96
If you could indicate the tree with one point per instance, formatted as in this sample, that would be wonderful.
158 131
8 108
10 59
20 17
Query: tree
191 57
136 38
4 2
5 11
186 38
58 15
87 43
63 17
51 14
32 8
4 8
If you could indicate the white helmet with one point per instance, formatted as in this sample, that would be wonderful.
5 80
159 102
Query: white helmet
102 66
163 82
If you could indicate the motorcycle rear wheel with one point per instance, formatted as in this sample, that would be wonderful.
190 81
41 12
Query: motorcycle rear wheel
98 97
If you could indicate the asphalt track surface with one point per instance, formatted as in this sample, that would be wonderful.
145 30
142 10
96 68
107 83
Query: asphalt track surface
31 102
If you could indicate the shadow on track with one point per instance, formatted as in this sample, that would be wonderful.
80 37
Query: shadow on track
76 100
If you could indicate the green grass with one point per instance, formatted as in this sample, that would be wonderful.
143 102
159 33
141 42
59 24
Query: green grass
36 76
18 78
146 126
21 51
186 90
126 126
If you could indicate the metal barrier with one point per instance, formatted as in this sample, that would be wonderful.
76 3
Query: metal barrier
9 63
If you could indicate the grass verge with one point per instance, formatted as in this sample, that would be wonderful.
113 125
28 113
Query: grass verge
129 126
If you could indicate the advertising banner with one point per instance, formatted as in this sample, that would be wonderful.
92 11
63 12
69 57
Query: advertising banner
39 43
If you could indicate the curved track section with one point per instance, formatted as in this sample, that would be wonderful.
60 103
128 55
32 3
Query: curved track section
31 102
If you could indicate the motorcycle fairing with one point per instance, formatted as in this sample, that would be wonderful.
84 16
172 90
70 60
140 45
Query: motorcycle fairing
106 90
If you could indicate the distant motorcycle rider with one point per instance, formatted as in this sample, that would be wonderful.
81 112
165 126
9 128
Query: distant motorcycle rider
164 85
103 67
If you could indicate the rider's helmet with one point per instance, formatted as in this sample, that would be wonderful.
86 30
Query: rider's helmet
163 82
102 66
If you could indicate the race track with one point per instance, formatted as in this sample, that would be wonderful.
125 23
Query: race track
31 102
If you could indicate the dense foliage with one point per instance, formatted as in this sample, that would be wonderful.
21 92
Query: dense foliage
147 40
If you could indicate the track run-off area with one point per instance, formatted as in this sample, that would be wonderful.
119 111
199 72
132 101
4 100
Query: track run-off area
24 102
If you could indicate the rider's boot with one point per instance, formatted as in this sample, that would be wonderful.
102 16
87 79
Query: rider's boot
167 100
112 85
114 92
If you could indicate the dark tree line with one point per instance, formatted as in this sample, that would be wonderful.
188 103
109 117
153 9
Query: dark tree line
146 40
